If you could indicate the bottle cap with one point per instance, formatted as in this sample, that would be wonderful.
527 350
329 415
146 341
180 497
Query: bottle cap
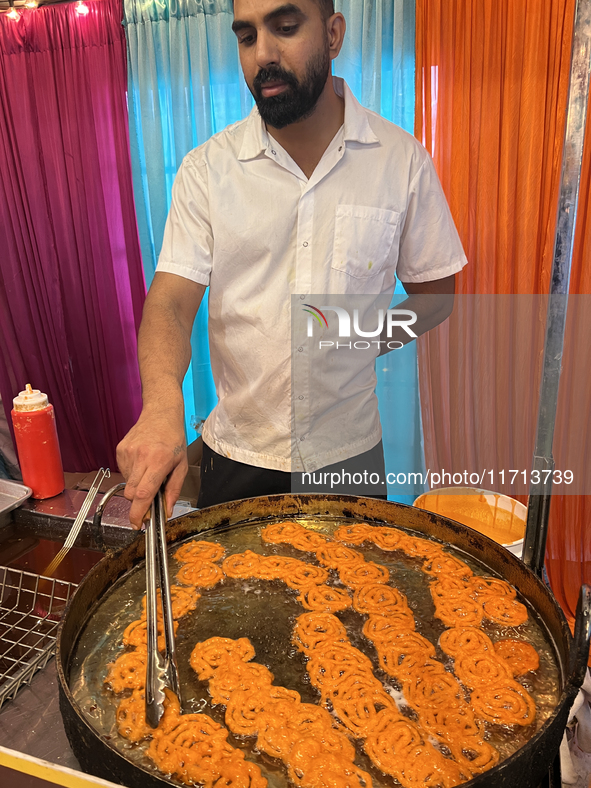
30 399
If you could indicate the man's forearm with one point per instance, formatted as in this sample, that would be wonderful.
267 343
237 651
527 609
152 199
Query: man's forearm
164 353
432 302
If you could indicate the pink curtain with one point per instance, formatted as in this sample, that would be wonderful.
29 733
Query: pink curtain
71 279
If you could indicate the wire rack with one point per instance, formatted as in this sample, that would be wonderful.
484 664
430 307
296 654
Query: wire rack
30 609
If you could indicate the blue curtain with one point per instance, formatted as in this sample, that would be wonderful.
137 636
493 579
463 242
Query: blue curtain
185 84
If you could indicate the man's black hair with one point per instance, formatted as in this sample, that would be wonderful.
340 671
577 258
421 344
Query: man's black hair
326 7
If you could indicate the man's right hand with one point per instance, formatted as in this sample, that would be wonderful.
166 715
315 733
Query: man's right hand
150 452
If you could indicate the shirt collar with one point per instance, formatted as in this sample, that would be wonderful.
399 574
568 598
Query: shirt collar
356 125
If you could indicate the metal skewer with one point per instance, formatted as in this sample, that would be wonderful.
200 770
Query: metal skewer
78 522
161 669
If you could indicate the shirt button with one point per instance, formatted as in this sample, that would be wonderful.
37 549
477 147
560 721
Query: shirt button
274 153
341 148
305 243
302 297
301 396
300 349
302 438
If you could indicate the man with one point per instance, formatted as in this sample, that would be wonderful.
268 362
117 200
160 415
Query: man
310 194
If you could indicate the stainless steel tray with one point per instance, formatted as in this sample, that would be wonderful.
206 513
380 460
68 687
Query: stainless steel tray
12 495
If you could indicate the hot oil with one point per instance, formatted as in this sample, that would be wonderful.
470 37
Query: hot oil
265 612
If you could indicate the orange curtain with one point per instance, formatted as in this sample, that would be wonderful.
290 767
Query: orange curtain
491 94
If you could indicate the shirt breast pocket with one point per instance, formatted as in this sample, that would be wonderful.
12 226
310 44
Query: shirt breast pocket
364 239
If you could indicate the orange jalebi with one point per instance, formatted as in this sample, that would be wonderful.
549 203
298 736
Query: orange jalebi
504 610
324 599
379 598
127 672
183 600
360 573
464 640
131 717
518 655
476 670
282 724
203 574
504 704
199 551
459 611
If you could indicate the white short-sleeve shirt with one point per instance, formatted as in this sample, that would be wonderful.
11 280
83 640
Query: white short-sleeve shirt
246 221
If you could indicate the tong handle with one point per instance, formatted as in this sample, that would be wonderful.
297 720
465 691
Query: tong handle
161 671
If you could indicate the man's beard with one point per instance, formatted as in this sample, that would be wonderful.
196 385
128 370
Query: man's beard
299 99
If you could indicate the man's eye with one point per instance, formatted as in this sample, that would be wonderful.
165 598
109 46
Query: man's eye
287 29
246 39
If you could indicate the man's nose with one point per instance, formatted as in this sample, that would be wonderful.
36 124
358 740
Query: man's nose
267 52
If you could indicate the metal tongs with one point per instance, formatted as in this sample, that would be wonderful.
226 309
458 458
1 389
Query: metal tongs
161 670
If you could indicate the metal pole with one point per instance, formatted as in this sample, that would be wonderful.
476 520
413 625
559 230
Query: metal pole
540 494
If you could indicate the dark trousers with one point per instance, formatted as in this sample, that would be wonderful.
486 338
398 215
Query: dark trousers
224 480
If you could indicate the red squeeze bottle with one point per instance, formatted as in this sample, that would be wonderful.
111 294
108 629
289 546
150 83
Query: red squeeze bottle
38 449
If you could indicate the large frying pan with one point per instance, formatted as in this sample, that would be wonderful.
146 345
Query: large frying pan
526 768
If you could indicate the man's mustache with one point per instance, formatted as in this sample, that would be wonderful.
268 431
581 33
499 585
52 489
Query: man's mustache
274 75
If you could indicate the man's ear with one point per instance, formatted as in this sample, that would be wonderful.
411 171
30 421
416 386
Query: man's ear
335 30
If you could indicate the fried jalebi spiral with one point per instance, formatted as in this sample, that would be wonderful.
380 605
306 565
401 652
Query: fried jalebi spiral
294 534
245 706
490 587
475 754
238 676
183 600
459 611
199 551
357 533
433 691
281 723
210 654
403 643
388 538
314 628
445 564
194 749
476 670
379 598
449 587
452 725
357 701
304 576
415 547
127 672
363 572
464 640
518 655
203 574
391 737
281 533
274 567
308 541
131 717
326 760
325 599
504 610
136 634
336 555
379 628
242 565
504 704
